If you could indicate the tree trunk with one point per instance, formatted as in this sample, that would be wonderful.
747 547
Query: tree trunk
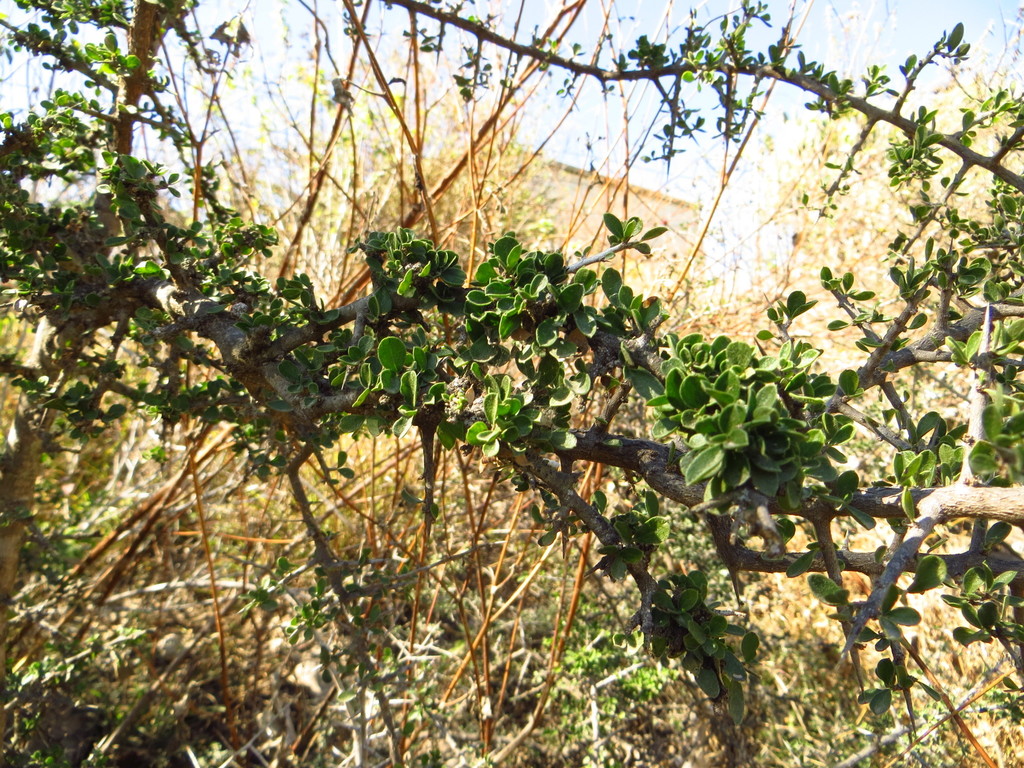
19 468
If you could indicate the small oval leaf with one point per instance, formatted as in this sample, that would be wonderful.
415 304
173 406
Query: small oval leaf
391 353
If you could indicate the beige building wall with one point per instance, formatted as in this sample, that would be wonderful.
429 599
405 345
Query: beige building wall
577 199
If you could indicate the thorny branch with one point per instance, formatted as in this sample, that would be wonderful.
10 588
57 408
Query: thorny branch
875 114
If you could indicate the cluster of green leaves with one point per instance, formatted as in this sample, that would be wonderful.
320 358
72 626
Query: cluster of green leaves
522 308
134 187
890 671
507 417
862 308
642 529
405 265
986 602
51 246
393 376
520 296
709 57
918 156
55 143
527 309
747 418
402 378
688 627
999 458
939 464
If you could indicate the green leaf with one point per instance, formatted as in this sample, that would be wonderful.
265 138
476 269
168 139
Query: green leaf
890 629
736 438
955 37
405 287
880 700
974 582
662 601
786 528
929 422
983 459
508 323
631 227
707 679
705 464
654 232
350 422
801 564
999 531
617 569
749 646
886 671
736 704
966 636
692 392
931 572
562 440
547 332
480 351
447 433
645 383
849 382
409 387
797 304
847 483
289 370
631 555
613 225
507 249
148 269
401 426
992 421
281 405
491 407
611 283
479 433
569 297
905 615
653 532
687 599
116 411
907 502
827 590
547 539
585 322
391 353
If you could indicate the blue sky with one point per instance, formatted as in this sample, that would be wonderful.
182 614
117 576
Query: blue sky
846 36
885 27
